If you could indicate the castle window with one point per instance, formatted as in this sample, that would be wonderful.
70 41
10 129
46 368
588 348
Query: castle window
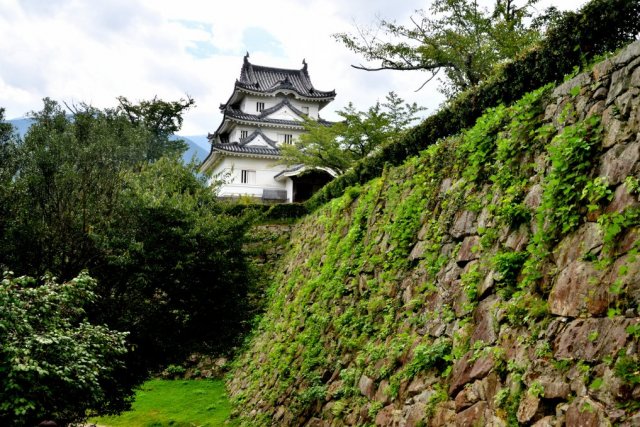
248 177
244 134
259 106
305 110
285 138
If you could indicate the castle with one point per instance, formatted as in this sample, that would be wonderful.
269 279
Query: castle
266 110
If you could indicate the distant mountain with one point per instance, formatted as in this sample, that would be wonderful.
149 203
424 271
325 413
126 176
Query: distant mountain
198 144
21 125
200 140
195 149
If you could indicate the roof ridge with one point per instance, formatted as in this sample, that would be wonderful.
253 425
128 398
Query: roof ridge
279 106
254 135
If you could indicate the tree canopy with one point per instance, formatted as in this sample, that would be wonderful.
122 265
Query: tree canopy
459 38
162 119
339 145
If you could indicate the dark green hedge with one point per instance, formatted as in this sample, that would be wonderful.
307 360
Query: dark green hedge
276 212
599 27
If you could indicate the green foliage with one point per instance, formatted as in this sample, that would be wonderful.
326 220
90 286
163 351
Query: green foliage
480 143
161 119
614 223
337 146
54 363
266 213
627 368
596 192
508 266
525 308
177 273
169 263
570 153
457 36
67 181
536 389
436 355
601 26
175 371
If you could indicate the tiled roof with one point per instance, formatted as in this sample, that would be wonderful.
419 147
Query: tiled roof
262 117
291 169
242 147
263 79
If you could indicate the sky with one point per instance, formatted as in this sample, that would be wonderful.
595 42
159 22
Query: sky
93 51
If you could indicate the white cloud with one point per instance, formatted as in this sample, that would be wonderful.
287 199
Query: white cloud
86 51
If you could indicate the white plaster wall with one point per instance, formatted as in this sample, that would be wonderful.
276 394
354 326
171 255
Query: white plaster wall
271 133
285 113
289 184
265 169
248 104
235 133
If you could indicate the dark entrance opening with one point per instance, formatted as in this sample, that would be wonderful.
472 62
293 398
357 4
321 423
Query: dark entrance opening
307 183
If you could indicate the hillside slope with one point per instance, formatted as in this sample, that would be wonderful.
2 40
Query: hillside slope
493 280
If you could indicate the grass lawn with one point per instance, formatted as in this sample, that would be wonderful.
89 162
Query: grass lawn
176 403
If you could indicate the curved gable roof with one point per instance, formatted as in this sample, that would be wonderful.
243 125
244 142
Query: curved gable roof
244 146
236 113
258 78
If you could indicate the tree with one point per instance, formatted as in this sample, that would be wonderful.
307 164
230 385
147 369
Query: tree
8 148
54 364
457 37
162 119
340 144
169 264
172 266
8 160
67 181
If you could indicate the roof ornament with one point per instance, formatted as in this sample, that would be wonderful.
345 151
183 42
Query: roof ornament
304 64
246 58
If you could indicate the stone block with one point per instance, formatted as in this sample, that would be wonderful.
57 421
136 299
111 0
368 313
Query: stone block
465 370
415 415
618 162
473 416
564 89
468 250
586 239
388 416
484 319
627 55
527 408
621 200
367 386
592 339
578 291
444 415
585 412
463 224
382 395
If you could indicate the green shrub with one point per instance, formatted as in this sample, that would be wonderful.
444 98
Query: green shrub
54 364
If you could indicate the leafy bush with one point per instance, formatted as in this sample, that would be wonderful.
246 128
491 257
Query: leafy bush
54 364
281 211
